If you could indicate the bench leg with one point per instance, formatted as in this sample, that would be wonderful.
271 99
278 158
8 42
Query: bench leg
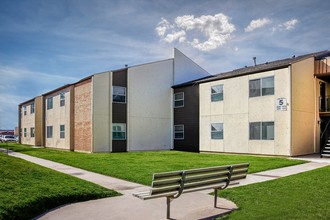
168 203
215 197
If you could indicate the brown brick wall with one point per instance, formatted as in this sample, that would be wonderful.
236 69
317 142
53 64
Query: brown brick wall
83 116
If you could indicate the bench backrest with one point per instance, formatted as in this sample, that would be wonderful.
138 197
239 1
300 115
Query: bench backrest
194 179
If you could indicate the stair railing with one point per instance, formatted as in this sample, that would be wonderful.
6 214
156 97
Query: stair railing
324 137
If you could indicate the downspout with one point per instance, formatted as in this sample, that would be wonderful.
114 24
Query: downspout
315 109
291 109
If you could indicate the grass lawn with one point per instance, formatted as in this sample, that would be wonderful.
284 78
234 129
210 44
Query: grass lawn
301 196
27 190
139 167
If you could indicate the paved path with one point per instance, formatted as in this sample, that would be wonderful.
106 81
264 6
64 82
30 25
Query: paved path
198 205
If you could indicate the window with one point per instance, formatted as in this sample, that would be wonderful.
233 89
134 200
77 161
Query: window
178 100
32 132
50 103
118 131
261 87
24 110
178 132
216 93
25 132
262 131
62 99
62 131
32 108
217 131
49 131
118 94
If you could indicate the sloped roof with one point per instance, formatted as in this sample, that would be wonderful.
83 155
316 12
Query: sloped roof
277 64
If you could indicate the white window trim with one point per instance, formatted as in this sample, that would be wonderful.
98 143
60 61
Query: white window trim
174 100
260 131
125 131
62 99
125 95
217 131
47 104
260 80
217 93
179 132
62 132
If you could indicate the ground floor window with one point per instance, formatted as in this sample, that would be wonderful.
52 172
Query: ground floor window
262 130
217 131
25 132
49 131
32 132
62 131
178 132
118 131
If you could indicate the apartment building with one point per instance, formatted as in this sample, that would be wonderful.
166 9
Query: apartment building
275 108
128 109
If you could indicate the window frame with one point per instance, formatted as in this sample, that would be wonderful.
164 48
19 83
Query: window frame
221 131
32 108
261 88
49 132
50 103
113 94
62 132
62 99
24 110
261 129
124 131
217 93
25 132
176 132
178 100
32 132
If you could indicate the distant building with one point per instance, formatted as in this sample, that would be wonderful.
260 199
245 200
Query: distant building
6 132
129 109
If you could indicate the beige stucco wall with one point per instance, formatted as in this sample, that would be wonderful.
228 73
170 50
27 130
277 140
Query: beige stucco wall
83 116
27 121
102 104
58 115
149 106
237 110
305 129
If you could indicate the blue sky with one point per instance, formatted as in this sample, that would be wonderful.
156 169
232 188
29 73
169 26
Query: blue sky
45 44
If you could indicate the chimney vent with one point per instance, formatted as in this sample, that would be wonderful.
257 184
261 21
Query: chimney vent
255 60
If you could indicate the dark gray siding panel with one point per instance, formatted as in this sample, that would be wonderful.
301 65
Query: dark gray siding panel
119 110
189 117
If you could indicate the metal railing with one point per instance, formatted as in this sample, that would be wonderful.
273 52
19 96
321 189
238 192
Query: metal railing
324 103
324 137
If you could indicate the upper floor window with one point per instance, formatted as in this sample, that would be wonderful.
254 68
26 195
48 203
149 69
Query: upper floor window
178 100
50 103
216 93
32 108
62 131
217 131
118 131
62 99
24 110
178 132
261 87
118 94
262 130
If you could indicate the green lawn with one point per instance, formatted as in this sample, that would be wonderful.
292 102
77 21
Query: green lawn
27 190
139 167
302 196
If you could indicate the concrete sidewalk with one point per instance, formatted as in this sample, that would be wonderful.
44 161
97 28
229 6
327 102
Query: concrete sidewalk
197 205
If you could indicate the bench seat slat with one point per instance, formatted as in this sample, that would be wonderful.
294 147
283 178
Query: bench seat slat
157 183
165 189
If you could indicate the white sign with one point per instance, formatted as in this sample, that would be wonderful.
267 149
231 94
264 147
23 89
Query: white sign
281 104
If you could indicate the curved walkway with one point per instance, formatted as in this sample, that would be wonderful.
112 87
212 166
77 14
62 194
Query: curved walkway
197 205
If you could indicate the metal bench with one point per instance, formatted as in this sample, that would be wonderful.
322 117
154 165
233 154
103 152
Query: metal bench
172 184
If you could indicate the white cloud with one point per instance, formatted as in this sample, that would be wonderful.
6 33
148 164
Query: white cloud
216 29
255 24
289 25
